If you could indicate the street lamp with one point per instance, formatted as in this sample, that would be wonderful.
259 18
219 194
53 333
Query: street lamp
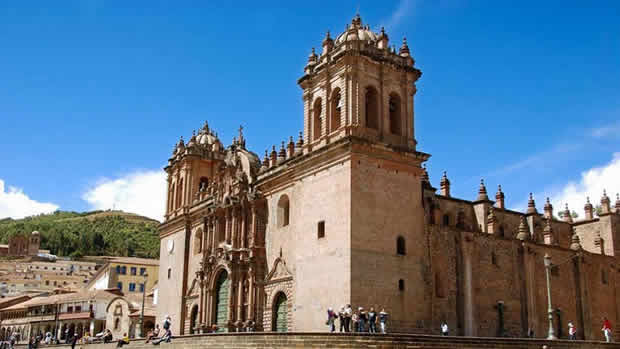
548 265
141 328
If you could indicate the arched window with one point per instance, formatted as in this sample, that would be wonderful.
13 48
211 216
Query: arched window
395 114
336 109
198 241
446 219
460 220
179 196
400 246
372 110
203 184
316 119
283 211
401 285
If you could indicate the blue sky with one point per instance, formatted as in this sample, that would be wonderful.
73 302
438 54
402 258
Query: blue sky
93 93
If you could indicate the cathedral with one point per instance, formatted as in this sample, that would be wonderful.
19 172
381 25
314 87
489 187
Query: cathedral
346 214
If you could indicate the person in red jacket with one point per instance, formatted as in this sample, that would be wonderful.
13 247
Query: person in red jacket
606 329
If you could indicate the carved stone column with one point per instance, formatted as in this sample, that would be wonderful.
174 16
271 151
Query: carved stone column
228 226
253 231
251 294
234 228
242 239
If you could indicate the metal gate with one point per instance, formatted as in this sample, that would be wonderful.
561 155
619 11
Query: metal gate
222 288
280 310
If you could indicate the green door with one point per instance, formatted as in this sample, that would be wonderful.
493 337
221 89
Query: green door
280 323
222 288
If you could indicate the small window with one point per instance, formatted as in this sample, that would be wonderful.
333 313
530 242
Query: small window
124 270
141 287
134 270
118 269
604 277
132 287
117 323
142 271
69 309
401 285
78 308
493 258
446 220
283 211
119 286
169 272
400 246
321 230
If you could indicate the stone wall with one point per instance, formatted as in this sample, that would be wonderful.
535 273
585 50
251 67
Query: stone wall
306 340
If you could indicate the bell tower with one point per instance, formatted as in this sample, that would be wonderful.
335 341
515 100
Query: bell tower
359 86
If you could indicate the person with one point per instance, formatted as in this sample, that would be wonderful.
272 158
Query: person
73 341
123 341
572 331
361 319
341 319
167 323
107 337
606 329
444 329
372 320
383 320
530 332
348 313
354 320
331 319
154 333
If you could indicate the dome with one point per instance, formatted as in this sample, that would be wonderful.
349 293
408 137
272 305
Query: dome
357 31
363 34
206 139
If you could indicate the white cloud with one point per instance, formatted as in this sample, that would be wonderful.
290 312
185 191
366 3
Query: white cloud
142 192
405 7
15 204
611 130
592 184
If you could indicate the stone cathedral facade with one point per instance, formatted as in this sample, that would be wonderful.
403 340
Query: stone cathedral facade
346 214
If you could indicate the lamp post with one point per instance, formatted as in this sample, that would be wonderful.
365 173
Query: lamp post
548 265
141 328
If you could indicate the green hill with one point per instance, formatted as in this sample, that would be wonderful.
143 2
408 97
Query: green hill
113 233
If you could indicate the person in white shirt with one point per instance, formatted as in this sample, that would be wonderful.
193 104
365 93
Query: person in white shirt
444 329
572 331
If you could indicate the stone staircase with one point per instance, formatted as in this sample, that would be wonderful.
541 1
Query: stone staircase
338 340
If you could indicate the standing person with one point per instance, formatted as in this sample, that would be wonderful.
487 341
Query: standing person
362 317
348 313
606 329
167 323
74 339
331 319
123 341
372 320
572 331
354 321
444 329
341 319
383 320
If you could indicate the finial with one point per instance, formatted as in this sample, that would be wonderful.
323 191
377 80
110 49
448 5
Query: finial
382 30
531 205
588 200
523 232
300 141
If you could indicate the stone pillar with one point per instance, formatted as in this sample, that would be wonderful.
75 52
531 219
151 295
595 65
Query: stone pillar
252 237
209 308
242 242
216 230
239 297
228 226
234 228
201 300
92 328
251 294
231 297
